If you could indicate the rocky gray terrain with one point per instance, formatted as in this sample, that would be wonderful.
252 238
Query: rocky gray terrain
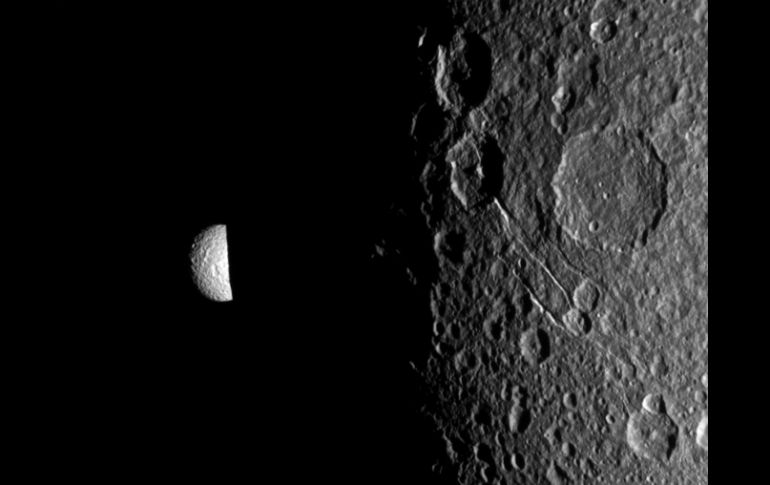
563 154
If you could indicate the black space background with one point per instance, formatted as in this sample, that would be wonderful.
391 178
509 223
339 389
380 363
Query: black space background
291 126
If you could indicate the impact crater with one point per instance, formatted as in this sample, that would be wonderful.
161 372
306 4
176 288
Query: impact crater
610 190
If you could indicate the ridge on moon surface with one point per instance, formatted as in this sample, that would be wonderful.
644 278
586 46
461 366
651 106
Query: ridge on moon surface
210 265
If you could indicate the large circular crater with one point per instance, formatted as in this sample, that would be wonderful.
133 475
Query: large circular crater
610 189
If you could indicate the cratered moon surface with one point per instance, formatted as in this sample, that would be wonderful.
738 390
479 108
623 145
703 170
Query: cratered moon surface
209 264
561 149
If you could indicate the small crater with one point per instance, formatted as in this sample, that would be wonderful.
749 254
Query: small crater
484 453
577 322
553 435
429 124
653 403
603 30
450 246
456 331
465 361
570 400
522 305
535 346
519 395
463 72
507 462
482 416
477 170
586 296
519 419
493 328
651 436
